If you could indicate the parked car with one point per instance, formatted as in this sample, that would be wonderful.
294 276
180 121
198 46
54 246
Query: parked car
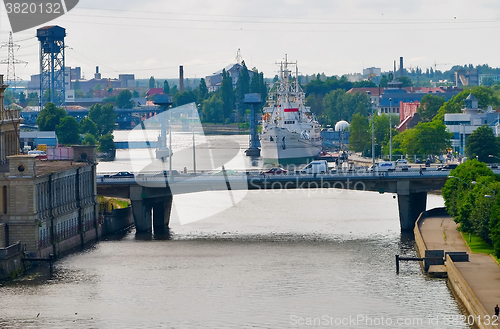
418 160
274 171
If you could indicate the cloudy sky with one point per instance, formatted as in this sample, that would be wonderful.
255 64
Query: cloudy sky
154 37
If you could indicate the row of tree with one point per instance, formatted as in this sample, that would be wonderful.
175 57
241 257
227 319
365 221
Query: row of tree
471 199
95 129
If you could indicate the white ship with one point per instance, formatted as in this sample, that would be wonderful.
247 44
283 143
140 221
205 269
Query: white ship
290 131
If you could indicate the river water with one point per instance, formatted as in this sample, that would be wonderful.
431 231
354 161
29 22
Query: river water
287 259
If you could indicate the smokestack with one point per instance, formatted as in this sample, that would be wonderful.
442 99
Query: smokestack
181 79
401 72
97 75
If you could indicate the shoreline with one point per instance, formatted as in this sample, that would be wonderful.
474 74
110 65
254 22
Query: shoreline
471 282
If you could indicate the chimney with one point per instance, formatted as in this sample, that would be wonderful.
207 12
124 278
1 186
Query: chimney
97 75
401 72
181 79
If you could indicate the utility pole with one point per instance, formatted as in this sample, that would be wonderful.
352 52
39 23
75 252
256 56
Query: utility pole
11 62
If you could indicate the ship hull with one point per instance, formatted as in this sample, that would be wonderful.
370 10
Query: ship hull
281 146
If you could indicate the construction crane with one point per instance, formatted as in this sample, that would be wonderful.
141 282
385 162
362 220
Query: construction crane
436 64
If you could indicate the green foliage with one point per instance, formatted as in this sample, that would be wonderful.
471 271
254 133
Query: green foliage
202 91
135 94
466 201
184 98
67 131
226 94
481 143
360 137
166 88
152 82
104 117
107 144
89 139
50 116
484 95
33 99
339 105
124 99
242 88
429 106
405 81
258 86
87 126
213 109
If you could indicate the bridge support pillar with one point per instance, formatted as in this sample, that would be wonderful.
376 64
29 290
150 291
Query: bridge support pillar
141 210
161 214
410 207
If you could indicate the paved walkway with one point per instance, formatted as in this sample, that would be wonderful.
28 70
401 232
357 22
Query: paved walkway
482 273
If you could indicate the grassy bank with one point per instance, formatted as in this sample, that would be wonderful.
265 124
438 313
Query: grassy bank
478 245
106 204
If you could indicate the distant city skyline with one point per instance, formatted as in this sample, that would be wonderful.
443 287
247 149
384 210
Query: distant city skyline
153 38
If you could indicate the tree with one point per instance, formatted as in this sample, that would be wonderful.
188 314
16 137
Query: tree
481 143
484 95
104 117
405 81
87 126
427 138
339 105
213 109
67 131
166 87
429 106
89 139
227 94
50 117
32 99
124 99
359 139
184 98
107 145
258 86
242 88
152 82
203 91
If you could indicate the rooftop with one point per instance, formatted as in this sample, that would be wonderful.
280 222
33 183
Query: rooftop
44 167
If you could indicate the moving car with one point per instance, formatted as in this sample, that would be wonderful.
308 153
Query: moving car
315 167
383 166
274 171
122 174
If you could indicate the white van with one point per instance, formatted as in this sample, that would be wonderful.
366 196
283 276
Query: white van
316 167
383 166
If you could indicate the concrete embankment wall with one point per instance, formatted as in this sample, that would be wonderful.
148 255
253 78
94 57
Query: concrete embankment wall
419 240
463 291
10 261
117 220
456 281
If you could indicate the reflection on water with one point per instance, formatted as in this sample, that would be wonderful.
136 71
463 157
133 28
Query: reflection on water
273 260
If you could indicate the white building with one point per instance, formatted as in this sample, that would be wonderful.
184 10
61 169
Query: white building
462 125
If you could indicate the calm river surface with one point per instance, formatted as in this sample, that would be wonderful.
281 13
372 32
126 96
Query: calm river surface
275 260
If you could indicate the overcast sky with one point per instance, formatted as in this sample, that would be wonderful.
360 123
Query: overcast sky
154 37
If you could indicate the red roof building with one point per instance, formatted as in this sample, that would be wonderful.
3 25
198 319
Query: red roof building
154 91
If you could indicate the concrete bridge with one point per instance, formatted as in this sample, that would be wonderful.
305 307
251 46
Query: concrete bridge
149 191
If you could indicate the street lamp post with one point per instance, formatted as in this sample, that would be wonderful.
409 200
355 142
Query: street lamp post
390 129
460 180
493 156
486 187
